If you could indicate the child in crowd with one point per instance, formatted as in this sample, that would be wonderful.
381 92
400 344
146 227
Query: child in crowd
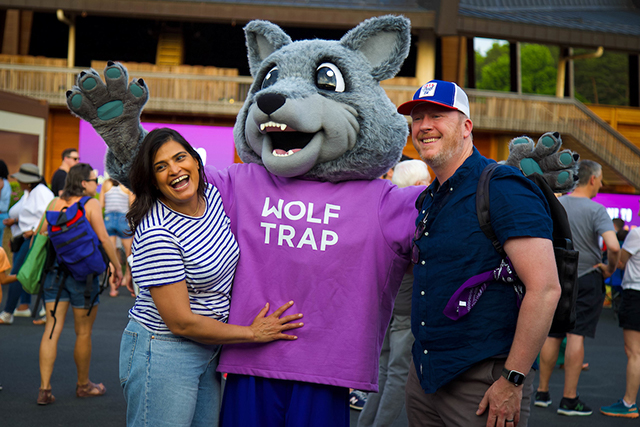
4 277
5 265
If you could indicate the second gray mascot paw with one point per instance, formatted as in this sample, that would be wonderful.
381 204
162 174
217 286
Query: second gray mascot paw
559 168
112 107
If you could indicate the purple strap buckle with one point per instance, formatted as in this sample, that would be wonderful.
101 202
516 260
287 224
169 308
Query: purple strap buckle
470 292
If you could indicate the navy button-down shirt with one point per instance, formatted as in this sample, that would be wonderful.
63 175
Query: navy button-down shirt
453 249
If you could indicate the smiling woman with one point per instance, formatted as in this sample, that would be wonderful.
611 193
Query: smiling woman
184 260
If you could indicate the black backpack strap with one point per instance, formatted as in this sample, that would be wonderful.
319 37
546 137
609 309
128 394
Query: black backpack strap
87 293
561 229
64 273
482 207
88 301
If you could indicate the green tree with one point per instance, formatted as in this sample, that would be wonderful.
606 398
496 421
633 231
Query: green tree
603 80
539 69
492 71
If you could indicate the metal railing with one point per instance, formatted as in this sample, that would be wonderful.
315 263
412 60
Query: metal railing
223 94
535 114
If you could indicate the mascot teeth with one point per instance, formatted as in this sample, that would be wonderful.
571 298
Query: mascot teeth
272 126
281 153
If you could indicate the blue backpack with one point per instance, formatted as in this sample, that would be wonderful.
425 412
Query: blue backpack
78 250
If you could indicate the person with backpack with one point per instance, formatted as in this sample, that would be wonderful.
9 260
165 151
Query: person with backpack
184 262
475 370
62 286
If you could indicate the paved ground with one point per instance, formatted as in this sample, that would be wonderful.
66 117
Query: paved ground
19 375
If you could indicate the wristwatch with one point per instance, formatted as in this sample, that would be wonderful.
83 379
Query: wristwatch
514 377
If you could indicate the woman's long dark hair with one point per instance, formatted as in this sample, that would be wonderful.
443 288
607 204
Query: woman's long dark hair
73 185
4 170
143 178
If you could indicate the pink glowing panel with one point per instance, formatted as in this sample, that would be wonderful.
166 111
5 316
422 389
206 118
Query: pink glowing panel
213 143
623 206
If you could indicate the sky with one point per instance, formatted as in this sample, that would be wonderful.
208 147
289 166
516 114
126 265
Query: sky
481 45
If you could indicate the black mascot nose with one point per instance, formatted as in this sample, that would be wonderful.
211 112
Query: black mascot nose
270 102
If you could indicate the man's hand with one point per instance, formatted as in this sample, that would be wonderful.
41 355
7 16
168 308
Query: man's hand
604 269
503 400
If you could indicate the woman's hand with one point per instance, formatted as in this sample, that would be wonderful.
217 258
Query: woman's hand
269 328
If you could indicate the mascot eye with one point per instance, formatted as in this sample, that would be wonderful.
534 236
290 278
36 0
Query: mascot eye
329 77
271 78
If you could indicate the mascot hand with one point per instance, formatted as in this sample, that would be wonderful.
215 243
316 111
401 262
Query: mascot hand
113 109
559 168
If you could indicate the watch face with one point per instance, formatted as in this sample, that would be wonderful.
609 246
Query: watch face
516 378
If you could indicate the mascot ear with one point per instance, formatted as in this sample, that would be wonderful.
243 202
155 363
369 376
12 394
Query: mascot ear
263 38
384 41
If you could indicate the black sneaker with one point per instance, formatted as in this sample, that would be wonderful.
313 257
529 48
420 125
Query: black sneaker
357 399
577 408
543 399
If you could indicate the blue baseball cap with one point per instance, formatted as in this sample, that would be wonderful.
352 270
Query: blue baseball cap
447 94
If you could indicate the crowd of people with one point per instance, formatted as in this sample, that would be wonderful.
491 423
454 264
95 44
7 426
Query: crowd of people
184 256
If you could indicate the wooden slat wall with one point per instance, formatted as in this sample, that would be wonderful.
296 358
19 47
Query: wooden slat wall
625 120
183 89
63 132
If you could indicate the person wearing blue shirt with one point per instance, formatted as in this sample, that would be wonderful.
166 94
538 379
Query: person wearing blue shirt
5 196
476 370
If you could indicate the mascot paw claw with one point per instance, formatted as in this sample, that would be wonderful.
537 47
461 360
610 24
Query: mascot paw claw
113 108
559 168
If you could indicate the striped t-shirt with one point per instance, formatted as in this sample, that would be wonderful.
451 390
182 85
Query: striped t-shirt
169 247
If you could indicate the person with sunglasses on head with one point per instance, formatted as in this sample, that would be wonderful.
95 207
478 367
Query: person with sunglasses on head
476 369
82 181
70 157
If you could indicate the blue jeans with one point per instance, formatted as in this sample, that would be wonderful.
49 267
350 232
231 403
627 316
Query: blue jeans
168 380
116 225
384 407
15 289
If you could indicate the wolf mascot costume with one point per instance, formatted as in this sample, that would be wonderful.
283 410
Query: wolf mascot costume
313 223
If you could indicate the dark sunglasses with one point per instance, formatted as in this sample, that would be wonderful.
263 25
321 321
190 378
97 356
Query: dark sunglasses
420 229
92 179
74 158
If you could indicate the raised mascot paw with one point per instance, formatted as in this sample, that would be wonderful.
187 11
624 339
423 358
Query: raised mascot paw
559 168
113 108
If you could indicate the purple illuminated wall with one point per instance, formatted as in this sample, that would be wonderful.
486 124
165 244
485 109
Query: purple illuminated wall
621 206
213 143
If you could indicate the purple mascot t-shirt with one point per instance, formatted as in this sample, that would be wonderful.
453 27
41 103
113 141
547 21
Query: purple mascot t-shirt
338 250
